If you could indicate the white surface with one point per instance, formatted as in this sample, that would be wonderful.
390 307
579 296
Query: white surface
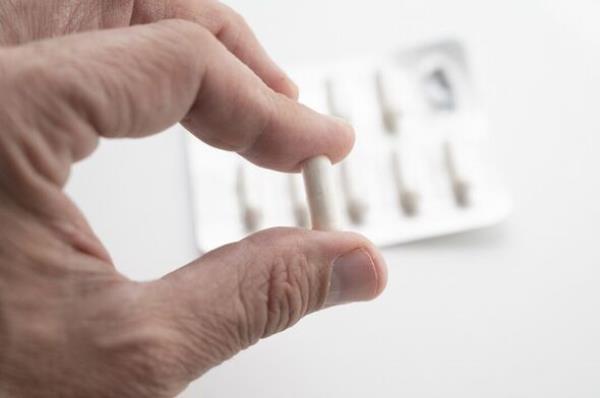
506 312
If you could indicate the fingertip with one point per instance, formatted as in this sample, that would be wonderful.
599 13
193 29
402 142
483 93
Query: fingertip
380 269
296 133
344 138
357 268
357 275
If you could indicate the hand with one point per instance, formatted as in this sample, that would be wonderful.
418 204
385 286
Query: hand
70 324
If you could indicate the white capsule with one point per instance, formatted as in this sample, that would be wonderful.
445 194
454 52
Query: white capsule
298 202
356 205
320 193
337 104
408 197
461 187
389 104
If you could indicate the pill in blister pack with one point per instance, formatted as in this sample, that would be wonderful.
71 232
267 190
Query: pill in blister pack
421 166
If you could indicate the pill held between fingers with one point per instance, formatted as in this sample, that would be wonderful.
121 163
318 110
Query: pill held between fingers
320 193
299 207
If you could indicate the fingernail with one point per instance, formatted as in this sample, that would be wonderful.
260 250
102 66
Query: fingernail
353 278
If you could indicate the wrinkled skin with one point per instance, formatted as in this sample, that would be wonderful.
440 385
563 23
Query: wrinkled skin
72 72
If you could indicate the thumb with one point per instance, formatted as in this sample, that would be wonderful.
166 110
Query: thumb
236 295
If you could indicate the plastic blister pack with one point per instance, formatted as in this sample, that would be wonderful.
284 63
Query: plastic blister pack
421 166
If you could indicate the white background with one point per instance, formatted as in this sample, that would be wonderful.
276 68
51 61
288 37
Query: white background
511 311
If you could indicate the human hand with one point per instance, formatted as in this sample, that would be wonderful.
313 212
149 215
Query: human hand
70 324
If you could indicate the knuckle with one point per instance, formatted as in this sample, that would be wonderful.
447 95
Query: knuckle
56 86
289 290
232 27
236 18
30 74
182 39
43 110
184 30
230 16
252 108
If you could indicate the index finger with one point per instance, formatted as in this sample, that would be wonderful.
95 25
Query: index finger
236 111
137 81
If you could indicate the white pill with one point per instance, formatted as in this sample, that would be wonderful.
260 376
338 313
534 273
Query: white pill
298 201
461 187
408 197
356 205
338 105
320 193
389 104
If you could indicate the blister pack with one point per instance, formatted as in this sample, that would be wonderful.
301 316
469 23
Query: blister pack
421 166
